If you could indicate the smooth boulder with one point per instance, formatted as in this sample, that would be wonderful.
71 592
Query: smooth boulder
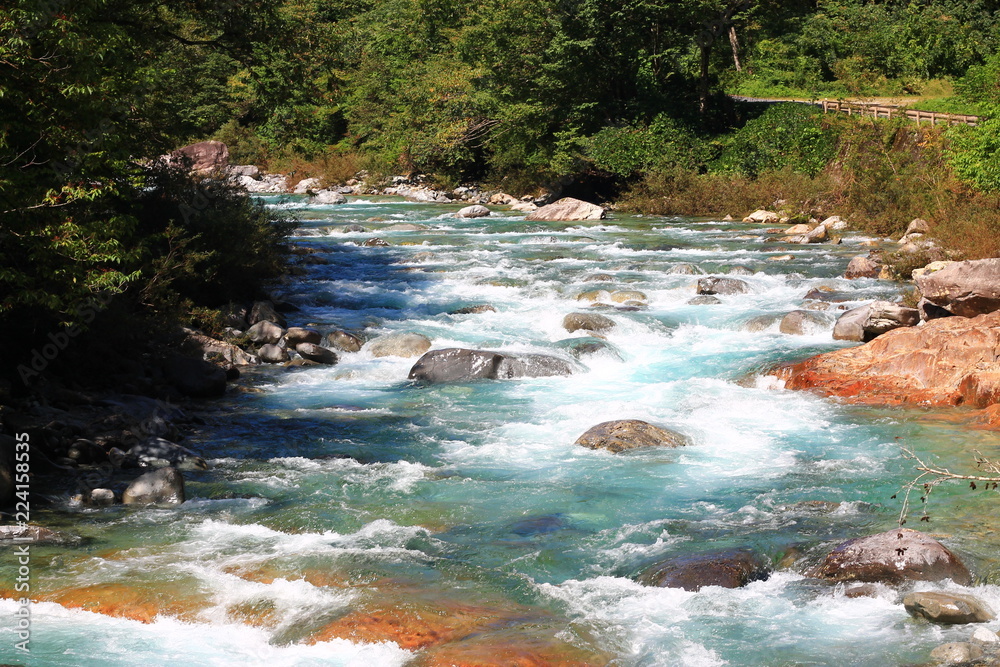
763 217
265 332
715 285
625 434
296 335
512 367
399 345
966 289
893 557
455 365
164 486
704 300
343 341
272 354
947 608
868 322
567 208
587 322
475 211
728 568
328 197
316 353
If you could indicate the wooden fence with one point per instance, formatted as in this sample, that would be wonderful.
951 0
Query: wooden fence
887 111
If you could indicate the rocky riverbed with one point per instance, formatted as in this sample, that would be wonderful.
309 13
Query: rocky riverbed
494 440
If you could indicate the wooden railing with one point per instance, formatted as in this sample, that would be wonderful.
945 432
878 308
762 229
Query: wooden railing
888 111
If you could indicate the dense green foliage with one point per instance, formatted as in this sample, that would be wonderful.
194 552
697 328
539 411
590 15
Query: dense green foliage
513 92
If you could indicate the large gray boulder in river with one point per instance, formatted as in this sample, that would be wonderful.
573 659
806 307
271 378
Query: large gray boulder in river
893 557
587 322
625 434
728 568
963 288
947 608
160 487
463 365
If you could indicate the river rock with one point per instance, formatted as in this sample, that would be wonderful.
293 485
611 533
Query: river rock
456 365
956 653
715 285
948 361
354 229
704 300
625 434
512 367
862 266
328 197
594 295
764 217
296 335
761 323
100 497
801 228
892 557
685 269
474 310
947 608
985 636
803 323
963 288
918 226
475 211
933 267
739 270
399 345
829 295
196 378
343 341
272 354
624 296
587 322
204 156
501 199
524 206
405 227
265 332
22 534
219 352
164 486
728 568
314 352
375 242
306 185
835 222
161 453
865 323
265 311
587 347
599 278
567 208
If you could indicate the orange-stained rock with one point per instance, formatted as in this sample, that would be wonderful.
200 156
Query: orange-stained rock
988 419
948 361
126 601
520 647
413 624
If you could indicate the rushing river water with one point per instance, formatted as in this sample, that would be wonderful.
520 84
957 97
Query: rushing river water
336 491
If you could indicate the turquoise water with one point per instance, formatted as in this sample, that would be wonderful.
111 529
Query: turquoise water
475 492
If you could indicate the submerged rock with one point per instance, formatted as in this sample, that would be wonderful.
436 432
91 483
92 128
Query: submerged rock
625 434
532 366
704 300
947 608
803 323
161 453
587 322
19 534
399 345
892 557
586 347
728 568
949 361
160 487
685 269
474 310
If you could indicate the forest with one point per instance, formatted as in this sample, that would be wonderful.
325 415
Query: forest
632 101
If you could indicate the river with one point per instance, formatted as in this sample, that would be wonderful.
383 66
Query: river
465 513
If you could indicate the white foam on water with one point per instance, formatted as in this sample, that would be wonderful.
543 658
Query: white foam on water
84 639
